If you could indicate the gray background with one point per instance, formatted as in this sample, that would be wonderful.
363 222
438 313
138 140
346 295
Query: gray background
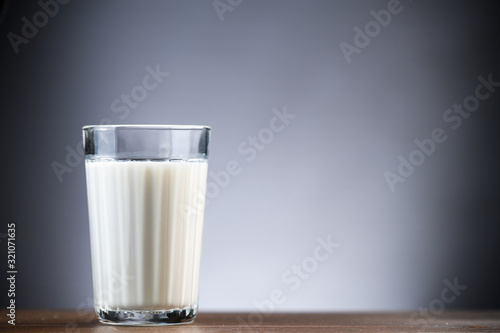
322 175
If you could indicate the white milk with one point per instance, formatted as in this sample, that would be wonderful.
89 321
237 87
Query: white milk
146 222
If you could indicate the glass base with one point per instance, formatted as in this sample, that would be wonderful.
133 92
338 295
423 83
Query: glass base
147 317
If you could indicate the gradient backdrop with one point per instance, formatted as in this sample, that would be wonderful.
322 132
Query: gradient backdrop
321 175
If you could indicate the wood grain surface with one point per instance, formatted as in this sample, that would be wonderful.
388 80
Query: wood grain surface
85 321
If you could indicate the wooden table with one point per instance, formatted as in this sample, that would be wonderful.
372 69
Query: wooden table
85 321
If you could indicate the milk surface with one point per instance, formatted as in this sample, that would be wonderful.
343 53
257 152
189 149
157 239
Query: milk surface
146 223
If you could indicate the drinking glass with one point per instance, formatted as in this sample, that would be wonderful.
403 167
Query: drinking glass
146 189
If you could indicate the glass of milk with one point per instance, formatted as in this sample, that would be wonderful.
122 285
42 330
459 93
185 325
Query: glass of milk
146 196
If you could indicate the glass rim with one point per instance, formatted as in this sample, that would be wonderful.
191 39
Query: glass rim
158 127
